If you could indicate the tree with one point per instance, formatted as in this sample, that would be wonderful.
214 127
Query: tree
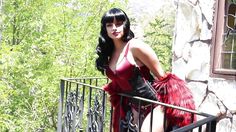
159 36
43 41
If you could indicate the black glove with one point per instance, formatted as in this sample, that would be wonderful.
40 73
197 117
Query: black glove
141 87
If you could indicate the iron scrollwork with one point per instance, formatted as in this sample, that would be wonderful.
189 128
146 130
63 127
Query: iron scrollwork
95 115
73 112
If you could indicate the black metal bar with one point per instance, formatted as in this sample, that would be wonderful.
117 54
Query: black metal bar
121 100
82 103
200 128
151 118
66 95
67 84
165 125
192 119
89 109
60 106
103 110
213 125
208 128
75 109
196 124
111 119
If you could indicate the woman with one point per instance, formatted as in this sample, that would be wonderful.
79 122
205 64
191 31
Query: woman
127 62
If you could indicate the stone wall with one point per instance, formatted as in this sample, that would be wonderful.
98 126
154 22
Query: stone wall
191 54
191 61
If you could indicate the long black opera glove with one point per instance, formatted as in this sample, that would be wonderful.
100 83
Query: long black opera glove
141 87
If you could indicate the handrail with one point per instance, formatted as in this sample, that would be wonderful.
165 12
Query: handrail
72 107
144 99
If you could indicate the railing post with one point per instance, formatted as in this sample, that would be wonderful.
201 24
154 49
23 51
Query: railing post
213 126
165 122
75 109
151 118
111 119
60 106
103 110
89 114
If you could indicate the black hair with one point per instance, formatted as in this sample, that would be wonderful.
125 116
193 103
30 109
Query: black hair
105 45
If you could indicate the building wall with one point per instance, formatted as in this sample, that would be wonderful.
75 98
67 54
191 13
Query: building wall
191 61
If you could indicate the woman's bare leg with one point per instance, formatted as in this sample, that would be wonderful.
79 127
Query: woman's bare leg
158 121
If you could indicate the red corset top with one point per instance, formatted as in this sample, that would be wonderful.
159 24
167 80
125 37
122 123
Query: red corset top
124 72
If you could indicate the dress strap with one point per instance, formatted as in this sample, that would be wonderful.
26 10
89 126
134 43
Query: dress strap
127 49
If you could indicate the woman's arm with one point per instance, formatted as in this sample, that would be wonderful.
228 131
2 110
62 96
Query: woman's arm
146 55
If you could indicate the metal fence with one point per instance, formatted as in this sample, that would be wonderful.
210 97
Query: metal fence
84 107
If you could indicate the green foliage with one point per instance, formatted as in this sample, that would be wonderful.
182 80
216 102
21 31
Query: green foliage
159 36
43 41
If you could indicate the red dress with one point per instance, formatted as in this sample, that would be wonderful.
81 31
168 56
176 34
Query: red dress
177 92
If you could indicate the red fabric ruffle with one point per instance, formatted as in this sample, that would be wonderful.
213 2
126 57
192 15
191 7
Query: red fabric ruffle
118 111
174 91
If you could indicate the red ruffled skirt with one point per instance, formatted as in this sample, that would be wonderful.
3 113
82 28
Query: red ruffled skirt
174 91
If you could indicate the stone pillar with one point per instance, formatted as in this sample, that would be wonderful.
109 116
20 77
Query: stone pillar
191 62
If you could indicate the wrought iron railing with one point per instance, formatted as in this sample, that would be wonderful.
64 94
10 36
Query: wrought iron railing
84 106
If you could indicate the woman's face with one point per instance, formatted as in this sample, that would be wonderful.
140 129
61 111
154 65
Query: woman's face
115 29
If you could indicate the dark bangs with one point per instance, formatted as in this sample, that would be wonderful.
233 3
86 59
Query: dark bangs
113 14
119 15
